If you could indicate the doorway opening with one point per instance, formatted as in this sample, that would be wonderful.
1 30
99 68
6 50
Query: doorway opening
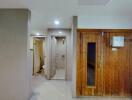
39 55
58 57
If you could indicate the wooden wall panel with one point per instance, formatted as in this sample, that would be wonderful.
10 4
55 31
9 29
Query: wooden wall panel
130 64
114 76
79 69
116 68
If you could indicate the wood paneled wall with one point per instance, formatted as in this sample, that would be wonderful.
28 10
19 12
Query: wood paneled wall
116 68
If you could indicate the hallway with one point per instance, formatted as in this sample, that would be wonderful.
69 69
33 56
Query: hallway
51 89
60 74
58 90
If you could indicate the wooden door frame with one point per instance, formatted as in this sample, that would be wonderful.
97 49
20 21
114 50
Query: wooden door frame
79 52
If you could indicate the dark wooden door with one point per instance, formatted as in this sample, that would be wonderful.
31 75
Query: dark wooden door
103 70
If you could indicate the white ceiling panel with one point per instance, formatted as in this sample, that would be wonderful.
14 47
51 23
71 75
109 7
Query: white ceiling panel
93 2
44 12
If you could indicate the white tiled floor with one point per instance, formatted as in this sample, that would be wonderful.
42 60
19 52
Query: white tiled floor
58 90
60 74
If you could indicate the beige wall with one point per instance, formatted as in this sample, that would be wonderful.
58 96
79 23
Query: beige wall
67 33
14 77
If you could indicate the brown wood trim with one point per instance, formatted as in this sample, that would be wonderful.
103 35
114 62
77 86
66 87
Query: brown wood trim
78 77
105 30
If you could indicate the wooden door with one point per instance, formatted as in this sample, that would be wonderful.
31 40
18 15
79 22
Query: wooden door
112 66
90 61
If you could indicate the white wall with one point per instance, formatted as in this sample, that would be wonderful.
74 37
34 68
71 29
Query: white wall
105 22
73 55
14 77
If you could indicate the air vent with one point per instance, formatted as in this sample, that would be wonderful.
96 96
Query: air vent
93 2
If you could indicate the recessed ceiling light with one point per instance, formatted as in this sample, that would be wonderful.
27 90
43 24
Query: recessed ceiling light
56 22
60 32
37 34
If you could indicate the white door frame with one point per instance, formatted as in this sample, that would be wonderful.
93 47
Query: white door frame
45 57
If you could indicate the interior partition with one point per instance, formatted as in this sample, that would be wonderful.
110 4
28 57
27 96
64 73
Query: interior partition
15 73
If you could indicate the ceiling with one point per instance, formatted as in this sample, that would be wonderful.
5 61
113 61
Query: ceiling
44 12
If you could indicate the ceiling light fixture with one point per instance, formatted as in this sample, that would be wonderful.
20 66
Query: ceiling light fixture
37 34
56 22
60 32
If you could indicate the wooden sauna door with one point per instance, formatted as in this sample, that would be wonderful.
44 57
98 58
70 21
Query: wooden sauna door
91 71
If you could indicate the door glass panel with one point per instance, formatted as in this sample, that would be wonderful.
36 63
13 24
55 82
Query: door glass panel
91 63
